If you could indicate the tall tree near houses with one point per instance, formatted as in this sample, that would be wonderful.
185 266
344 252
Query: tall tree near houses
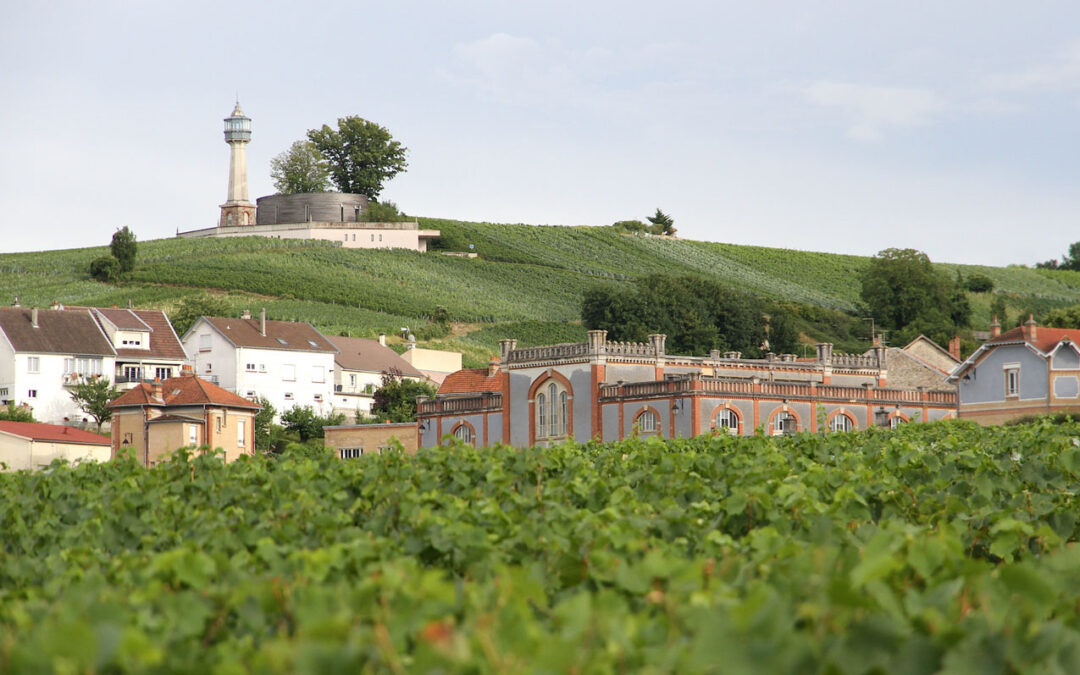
361 155
93 398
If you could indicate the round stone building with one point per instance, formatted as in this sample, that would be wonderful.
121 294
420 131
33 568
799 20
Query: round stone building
325 207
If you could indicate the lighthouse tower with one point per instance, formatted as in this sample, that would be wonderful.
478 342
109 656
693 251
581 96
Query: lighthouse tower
237 210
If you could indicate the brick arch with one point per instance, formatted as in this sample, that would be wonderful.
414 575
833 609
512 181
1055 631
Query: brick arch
659 420
545 378
846 413
788 410
738 416
896 414
467 425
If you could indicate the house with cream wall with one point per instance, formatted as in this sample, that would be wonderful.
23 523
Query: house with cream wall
152 420
30 446
360 365
287 362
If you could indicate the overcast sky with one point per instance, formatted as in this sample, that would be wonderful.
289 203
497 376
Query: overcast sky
830 126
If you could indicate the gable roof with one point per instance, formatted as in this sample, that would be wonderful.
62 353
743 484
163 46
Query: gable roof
286 335
370 356
186 390
470 381
59 331
1045 338
164 343
54 433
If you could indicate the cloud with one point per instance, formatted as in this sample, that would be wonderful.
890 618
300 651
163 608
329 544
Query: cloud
870 109
1062 73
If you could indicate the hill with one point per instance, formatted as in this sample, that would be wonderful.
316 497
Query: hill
526 283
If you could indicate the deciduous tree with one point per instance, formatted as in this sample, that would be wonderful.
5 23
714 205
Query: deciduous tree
361 155
93 398
189 310
395 399
901 286
123 248
300 169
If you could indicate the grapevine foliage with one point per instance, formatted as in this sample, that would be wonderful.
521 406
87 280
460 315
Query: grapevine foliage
933 548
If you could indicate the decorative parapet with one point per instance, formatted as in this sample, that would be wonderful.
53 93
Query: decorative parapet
569 350
757 389
460 404
854 360
631 349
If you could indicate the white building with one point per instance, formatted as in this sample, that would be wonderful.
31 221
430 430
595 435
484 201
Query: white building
289 363
361 364
45 352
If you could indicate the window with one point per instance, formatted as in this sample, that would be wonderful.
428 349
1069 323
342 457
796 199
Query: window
842 422
262 367
318 374
33 364
352 380
288 396
380 237
727 419
318 398
288 372
251 395
647 422
31 393
3 391
896 420
204 342
282 341
372 237
464 433
240 433
784 424
220 422
133 373
250 367
1012 380
163 373
351 453
552 411
354 237
193 434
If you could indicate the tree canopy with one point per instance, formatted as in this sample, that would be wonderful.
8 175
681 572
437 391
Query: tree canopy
300 169
123 248
307 423
93 398
395 399
192 307
904 293
662 223
1069 261
697 315
361 155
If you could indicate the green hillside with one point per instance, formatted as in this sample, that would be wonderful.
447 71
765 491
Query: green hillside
526 283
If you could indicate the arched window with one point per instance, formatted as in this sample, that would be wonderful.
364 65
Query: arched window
842 422
897 419
647 423
244 218
228 220
727 419
785 424
464 433
552 412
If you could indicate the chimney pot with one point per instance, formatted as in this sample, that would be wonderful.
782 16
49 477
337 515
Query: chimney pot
493 366
34 317
262 322
382 339
995 327
245 314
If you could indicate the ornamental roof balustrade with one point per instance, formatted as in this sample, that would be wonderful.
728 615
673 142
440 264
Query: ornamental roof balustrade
750 388
460 404
567 350
854 361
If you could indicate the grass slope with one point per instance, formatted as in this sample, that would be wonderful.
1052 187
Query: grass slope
527 282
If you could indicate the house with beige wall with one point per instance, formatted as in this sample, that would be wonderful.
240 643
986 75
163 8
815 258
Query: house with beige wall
360 365
356 440
29 445
435 364
154 419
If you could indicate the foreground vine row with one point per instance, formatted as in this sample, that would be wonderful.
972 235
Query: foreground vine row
933 548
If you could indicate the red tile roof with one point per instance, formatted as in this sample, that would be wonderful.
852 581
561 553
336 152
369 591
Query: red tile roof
1045 338
470 381
182 391
55 433
289 335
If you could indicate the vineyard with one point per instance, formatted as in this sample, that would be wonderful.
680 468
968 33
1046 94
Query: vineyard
523 273
941 547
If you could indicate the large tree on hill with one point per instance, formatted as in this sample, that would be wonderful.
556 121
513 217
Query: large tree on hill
905 293
300 169
662 223
123 248
361 155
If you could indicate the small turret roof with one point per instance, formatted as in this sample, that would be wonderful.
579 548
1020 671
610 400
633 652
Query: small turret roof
237 112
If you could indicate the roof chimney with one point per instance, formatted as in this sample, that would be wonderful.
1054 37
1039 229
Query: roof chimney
245 314
16 302
382 339
262 322
954 347
493 366
155 389
995 327
1031 332
34 317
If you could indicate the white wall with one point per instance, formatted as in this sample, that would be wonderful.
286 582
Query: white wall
272 383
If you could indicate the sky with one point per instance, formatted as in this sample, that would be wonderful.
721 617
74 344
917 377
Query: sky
847 127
